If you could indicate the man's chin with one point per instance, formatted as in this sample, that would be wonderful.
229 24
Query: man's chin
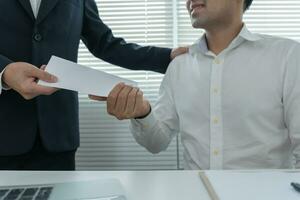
197 23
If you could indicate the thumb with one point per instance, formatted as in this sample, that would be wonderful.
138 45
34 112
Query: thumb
43 75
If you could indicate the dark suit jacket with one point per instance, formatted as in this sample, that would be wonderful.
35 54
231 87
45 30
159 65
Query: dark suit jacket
57 31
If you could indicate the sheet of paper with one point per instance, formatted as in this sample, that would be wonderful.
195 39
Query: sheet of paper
72 76
273 185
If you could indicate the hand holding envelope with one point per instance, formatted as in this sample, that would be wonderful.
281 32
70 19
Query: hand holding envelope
22 77
72 76
127 102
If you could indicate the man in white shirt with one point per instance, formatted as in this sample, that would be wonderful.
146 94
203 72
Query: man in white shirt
234 98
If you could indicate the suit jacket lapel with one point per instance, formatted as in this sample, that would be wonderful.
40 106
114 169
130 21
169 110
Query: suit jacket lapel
26 5
45 8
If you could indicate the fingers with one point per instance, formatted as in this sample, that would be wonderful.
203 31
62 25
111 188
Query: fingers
32 90
127 102
179 51
113 96
42 75
142 107
38 89
131 102
139 102
117 100
22 77
182 50
121 103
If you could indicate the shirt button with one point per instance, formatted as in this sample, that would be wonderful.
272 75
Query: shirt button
37 37
216 120
217 61
216 90
216 152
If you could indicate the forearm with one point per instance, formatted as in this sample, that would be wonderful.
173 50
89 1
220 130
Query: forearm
151 133
101 42
135 57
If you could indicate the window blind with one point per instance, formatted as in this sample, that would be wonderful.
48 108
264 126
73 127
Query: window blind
276 17
280 18
106 143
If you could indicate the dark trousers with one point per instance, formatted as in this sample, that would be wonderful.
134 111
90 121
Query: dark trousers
39 159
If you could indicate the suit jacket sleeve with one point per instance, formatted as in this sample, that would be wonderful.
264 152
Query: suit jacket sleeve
101 43
4 61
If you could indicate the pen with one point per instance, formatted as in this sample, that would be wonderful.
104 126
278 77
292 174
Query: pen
296 186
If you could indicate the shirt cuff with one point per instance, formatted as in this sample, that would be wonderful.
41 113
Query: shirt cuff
145 123
2 85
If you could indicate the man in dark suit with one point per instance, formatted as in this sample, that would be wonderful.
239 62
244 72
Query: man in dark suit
39 125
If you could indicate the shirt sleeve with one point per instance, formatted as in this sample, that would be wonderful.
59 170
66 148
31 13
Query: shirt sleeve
291 100
156 131
1 82
3 63
2 85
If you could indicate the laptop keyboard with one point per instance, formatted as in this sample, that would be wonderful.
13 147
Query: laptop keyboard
33 193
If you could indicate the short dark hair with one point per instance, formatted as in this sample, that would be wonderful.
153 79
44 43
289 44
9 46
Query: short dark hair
247 4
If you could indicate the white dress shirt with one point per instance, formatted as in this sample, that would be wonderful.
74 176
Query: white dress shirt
237 110
35 5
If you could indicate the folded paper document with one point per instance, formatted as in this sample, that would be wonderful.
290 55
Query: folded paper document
72 76
251 185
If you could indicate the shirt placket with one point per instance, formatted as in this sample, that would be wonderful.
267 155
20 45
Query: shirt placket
216 125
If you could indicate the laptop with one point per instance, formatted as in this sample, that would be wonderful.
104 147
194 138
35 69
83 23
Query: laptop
102 189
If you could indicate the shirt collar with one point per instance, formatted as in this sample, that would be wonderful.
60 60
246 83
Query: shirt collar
245 35
248 35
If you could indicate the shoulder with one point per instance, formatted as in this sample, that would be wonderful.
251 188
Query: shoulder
179 63
277 49
279 44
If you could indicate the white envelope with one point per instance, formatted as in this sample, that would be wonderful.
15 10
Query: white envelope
72 76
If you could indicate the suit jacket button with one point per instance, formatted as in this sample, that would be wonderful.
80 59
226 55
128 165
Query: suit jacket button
38 37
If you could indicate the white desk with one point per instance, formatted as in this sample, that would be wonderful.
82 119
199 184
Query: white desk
139 185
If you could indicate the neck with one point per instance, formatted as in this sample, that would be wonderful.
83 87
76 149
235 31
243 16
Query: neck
220 37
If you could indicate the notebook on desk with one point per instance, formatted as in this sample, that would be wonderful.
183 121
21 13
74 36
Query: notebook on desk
249 185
